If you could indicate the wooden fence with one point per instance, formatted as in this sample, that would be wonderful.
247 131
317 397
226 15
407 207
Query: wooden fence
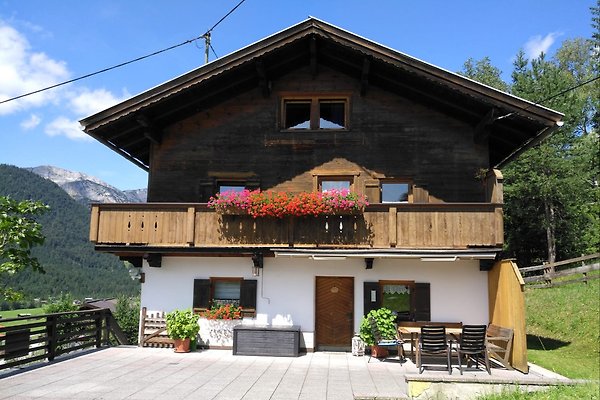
153 329
24 340
548 275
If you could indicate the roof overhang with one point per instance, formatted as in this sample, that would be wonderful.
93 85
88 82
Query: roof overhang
509 124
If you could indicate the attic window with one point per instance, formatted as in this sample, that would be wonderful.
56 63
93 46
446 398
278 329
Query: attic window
315 113
395 192
231 187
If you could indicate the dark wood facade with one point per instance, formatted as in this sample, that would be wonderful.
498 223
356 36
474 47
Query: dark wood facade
405 121
388 137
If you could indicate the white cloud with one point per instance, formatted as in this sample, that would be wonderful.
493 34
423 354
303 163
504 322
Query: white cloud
82 102
23 70
538 44
30 123
86 102
63 126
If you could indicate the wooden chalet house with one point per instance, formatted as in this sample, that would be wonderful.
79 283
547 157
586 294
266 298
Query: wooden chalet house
306 109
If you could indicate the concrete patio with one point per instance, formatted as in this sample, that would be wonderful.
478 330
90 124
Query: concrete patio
146 373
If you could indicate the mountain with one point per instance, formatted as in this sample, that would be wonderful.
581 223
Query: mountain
88 189
71 263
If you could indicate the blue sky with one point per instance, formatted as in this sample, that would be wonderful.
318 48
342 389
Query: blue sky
45 42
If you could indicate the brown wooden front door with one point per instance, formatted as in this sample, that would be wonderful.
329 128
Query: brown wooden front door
334 312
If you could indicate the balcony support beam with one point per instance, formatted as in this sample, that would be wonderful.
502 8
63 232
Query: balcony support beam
191 223
392 224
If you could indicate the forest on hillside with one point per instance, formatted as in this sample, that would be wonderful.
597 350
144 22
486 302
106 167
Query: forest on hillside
552 191
68 257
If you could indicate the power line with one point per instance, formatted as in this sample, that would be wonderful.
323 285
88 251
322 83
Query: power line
225 16
100 71
570 89
539 103
128 62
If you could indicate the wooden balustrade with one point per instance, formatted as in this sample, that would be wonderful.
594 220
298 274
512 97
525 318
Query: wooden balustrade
433 225
27 339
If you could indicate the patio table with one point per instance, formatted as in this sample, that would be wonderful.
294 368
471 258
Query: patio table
414 331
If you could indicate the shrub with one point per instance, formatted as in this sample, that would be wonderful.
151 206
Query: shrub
65 302
385 320
127 314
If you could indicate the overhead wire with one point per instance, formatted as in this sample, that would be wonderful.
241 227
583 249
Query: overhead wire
127 62
540 103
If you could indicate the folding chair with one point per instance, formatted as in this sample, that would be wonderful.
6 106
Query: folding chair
380 341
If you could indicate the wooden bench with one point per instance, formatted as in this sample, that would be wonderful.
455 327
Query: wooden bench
499 344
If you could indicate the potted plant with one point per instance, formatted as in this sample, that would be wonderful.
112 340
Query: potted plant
385 320
182 326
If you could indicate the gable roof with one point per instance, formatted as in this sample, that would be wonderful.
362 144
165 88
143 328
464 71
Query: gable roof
511 124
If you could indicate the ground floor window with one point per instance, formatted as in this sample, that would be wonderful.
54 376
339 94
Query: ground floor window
226 291
218 291
410 300
398 296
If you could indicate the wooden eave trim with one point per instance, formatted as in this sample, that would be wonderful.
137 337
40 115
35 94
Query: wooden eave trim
121 152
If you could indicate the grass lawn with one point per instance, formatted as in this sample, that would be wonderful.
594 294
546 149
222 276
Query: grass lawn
14 314
563 325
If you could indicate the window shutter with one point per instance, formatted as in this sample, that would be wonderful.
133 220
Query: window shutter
201 293
248 294
369 305
422 302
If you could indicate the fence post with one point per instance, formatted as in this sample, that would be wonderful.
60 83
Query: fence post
142 327
107 326
585 275
548 273
98 321
51 332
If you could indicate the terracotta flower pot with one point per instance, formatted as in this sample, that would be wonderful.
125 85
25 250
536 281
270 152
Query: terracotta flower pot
379 351
182 345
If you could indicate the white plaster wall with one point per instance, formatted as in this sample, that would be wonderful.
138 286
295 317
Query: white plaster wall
286 286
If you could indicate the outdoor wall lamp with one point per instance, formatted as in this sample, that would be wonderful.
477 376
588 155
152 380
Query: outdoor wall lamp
257 263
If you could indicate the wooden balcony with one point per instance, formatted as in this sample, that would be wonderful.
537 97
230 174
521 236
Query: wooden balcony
416 226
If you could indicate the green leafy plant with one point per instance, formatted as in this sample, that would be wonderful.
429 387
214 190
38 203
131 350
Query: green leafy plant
385 320
182 324
63 303
127 314
19 234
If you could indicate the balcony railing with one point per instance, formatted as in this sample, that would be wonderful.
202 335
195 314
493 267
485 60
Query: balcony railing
439 225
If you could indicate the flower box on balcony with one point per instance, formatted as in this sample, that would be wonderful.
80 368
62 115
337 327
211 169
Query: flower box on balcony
281 204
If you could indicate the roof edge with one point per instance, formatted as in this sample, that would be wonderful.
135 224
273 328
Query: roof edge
314 24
